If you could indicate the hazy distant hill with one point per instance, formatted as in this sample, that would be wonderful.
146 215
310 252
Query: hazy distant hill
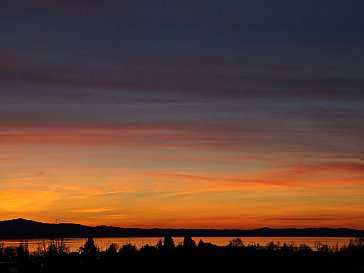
27 229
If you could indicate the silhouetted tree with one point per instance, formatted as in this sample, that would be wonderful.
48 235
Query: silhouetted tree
236 243
128 249
112 249
272 245
168 242
188 242
159 244
206 246
148 249
356 244
89 247
304 248
23 250
9 253
55 247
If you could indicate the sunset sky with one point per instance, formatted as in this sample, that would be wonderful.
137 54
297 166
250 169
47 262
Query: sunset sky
182 113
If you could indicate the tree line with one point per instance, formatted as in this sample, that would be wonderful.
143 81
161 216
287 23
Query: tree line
189 256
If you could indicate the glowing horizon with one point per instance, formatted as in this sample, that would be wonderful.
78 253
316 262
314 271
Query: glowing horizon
100 176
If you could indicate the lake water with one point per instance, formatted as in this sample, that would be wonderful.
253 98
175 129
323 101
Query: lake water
75 243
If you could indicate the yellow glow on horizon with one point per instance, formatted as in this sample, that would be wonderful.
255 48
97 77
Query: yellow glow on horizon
122 177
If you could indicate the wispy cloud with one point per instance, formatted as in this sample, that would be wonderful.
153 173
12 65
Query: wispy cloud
94 210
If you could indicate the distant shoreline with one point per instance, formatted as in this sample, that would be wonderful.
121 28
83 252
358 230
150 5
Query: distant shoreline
27 229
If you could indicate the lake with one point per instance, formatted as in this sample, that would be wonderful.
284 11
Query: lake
74 243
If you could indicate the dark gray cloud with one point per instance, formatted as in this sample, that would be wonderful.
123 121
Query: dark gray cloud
123 60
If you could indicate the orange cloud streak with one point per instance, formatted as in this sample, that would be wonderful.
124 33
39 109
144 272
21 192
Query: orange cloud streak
160 175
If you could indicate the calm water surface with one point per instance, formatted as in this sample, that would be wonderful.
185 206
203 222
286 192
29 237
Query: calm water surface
75 243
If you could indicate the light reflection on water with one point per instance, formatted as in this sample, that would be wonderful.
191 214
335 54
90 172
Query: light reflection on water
75 243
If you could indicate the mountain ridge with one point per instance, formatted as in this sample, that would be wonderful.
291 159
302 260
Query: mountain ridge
29 229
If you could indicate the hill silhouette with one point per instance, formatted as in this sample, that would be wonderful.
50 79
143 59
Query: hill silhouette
28 229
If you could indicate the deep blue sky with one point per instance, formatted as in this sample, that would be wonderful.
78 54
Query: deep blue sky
185 48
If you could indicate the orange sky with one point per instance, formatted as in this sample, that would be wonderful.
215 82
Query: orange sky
149 176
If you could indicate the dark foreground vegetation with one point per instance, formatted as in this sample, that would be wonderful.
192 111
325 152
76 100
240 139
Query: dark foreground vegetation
54 256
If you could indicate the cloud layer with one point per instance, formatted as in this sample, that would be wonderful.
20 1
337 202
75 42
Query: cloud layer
182 113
